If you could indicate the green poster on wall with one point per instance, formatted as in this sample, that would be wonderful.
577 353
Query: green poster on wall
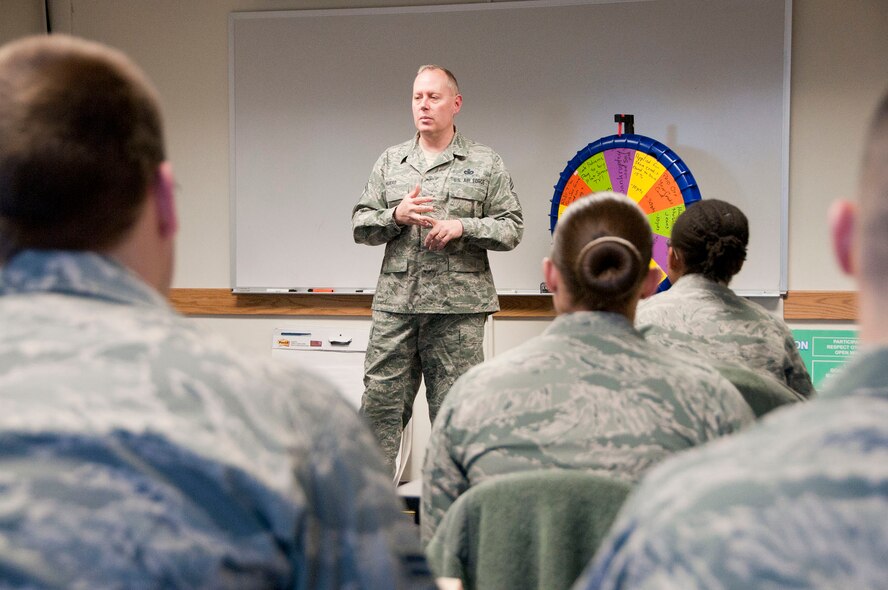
824 351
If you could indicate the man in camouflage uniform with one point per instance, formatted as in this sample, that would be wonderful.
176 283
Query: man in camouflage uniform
438 202
138 451
800 500
589 393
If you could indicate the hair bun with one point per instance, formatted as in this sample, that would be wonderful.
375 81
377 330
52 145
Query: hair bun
723 248
608 266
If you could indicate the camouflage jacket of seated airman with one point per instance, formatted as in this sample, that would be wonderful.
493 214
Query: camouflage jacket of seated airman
139 451
589 393
701 317
471 183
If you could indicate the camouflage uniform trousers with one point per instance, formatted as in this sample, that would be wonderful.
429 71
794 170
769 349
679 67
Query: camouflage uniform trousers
405 348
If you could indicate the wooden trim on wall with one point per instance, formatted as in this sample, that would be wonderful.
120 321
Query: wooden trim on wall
820 305
798 305
223 302
214 302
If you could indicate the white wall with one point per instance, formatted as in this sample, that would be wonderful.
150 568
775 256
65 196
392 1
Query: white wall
20 17
839 71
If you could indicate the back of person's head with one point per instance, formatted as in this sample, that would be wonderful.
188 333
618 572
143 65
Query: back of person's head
80 144
873 203
711 237
602 249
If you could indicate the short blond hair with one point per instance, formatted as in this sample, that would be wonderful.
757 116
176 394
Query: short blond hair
451 79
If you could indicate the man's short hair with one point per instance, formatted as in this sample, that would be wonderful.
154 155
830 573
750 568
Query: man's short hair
451 79
81 140
873 205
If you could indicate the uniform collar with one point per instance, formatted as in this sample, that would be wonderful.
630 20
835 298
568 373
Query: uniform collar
414 156
579 323
698 281
86 274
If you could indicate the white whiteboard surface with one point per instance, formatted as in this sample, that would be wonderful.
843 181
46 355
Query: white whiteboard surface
316 96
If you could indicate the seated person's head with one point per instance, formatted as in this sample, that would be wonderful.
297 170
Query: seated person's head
709 239
82 148
860 231
600 258
873 204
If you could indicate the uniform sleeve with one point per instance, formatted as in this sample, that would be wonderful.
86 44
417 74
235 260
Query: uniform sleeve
609 567
373 221
443 477
630 560
717 406
502 224
354 534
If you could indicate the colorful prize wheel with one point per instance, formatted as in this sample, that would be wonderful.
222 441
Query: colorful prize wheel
641 168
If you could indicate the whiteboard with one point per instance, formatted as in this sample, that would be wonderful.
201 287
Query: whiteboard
317 95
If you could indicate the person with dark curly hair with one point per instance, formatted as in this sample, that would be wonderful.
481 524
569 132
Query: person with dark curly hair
700 315
589 393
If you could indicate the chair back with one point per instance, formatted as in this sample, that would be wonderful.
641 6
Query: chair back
762 392
534 529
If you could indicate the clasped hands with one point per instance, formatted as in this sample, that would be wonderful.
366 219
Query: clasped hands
411 211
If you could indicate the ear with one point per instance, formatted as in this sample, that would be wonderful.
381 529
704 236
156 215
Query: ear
843 225
165 201
674 264
650 283
551 275
457 103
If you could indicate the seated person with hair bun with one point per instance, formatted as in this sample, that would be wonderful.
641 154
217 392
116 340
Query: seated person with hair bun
589 393
700 315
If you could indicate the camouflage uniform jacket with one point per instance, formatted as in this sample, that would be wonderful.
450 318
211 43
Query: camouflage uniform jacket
139 452
702 317
797 501
589 393
475 188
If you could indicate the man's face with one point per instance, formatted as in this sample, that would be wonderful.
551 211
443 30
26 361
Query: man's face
434 103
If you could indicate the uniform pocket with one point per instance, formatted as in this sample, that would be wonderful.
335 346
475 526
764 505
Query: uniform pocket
395 264
395 193
466 263
466 202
